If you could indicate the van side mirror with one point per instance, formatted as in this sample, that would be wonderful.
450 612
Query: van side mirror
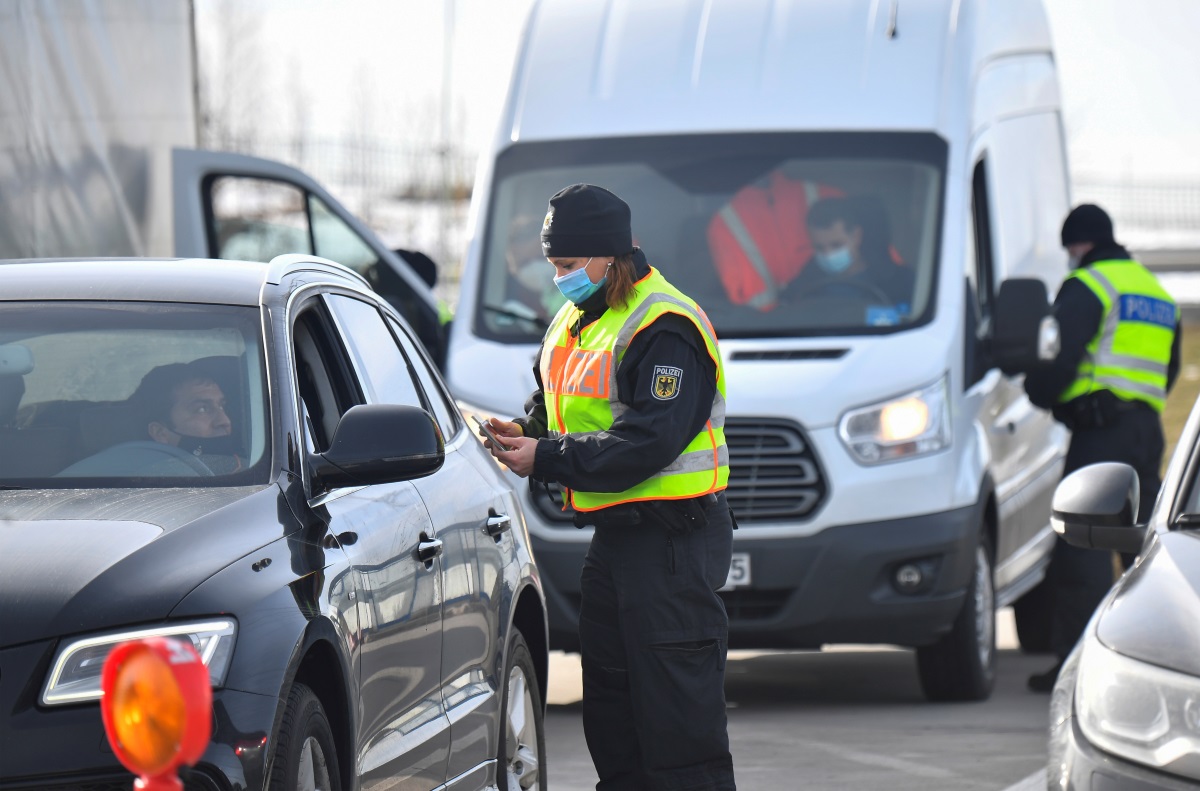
1024 330
1096 508
380 443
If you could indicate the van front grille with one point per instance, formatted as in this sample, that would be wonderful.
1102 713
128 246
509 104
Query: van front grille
773 471
774 475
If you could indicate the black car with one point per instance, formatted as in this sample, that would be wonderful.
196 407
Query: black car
258 458
1125 712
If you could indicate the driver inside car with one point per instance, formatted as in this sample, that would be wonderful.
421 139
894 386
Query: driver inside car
189 432
852 259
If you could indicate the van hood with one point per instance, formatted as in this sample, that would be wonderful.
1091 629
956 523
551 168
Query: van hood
75 561
812 380
815 380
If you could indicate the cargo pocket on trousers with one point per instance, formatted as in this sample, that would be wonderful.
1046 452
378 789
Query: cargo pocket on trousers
691 654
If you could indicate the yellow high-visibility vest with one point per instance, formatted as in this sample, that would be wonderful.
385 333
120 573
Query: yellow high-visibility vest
1131 350
579 381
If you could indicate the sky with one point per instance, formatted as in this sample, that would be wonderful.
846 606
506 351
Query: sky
1127 71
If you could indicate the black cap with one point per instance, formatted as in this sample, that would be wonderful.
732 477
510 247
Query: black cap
585 220
1088 223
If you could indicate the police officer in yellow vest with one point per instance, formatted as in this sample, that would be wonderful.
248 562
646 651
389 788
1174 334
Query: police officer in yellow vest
1119 356
629 418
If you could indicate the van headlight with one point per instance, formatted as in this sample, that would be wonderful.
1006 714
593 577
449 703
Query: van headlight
75 674
913 424
1137 711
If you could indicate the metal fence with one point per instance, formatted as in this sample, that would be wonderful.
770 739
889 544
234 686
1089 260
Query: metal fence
1144 205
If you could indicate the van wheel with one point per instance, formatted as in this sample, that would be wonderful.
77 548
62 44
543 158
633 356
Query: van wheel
305 758
1033 616
962 664
521 759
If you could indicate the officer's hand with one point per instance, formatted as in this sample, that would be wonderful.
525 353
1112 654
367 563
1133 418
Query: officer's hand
520 458
506 428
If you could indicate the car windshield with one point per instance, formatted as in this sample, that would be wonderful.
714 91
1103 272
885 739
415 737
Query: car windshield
773 234
131 395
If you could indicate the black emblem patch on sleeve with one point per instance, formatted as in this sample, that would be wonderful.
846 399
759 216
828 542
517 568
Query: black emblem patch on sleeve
666 382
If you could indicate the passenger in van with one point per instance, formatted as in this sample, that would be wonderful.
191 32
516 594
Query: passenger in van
853 258
629 418
189 432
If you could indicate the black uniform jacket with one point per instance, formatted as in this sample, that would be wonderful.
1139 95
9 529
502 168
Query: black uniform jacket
1079 313
653 432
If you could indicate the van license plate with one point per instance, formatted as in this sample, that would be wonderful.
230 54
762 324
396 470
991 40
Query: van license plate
739 571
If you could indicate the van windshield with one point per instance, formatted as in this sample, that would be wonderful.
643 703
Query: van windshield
774 235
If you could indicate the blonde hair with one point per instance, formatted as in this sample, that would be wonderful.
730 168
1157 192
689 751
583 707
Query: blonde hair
621 277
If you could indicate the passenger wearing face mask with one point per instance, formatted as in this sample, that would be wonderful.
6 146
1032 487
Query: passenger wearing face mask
628 417
852 259
1120 354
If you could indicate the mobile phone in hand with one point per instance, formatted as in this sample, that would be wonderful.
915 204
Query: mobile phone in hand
490 433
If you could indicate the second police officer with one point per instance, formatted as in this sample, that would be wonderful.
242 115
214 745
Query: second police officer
1120 355
628 418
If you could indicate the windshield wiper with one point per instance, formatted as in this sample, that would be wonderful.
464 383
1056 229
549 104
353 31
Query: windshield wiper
512 314
6 488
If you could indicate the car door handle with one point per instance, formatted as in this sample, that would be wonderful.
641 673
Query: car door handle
428 549
497 524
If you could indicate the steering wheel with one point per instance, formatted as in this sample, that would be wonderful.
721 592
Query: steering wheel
869 290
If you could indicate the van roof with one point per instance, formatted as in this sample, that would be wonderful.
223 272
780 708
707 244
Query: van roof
635 67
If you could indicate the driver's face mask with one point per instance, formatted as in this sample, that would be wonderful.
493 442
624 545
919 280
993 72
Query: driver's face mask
222 445
835 261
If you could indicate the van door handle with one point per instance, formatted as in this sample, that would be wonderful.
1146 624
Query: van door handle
428 549
497 525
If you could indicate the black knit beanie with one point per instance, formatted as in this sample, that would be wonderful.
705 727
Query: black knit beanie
1088 223
585 220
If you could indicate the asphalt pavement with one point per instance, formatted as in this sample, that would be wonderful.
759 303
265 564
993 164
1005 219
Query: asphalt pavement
848 717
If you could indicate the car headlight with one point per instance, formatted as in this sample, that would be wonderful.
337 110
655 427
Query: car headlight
1138 711
909 425
75 674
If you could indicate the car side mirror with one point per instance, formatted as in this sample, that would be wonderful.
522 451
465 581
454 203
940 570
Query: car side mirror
1024 330
380 443
420 263
1096 508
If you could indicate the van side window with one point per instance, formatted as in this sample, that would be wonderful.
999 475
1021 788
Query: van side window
984 280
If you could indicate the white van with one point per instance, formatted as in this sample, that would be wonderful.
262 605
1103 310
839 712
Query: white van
892 485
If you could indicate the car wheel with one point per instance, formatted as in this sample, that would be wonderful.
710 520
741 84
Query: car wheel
962 664
1033 616
305 758
521 758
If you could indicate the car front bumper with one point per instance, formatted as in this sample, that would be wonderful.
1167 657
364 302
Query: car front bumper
834 586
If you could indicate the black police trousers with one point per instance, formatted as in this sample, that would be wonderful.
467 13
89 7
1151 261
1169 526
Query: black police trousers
653 636
1078 578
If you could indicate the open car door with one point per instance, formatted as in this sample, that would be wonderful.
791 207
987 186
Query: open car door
234 206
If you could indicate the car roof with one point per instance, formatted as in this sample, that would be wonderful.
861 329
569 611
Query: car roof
192 280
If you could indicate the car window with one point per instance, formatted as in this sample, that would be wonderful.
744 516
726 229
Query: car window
132 395
384 368
337 241
257 219
328 387
443 407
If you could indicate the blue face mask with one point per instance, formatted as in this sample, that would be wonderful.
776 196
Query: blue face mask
577 286
837 261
